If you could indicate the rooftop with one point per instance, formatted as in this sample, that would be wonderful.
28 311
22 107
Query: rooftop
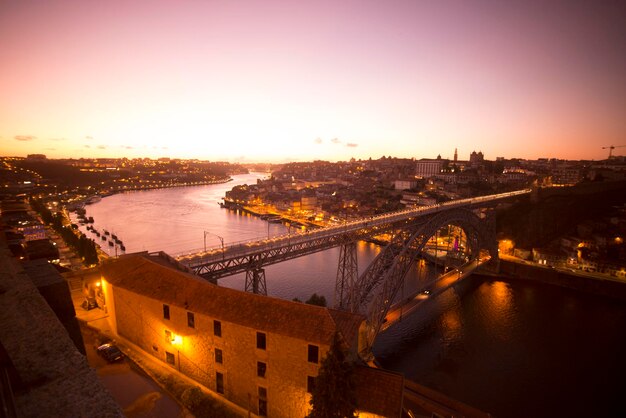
138 273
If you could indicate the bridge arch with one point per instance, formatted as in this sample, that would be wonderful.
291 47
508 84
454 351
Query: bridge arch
377 287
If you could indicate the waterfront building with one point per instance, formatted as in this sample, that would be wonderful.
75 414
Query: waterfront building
260 353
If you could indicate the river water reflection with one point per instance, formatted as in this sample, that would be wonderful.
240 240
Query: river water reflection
516 348
512 348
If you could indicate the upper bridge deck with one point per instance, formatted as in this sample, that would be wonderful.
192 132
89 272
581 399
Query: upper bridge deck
235 257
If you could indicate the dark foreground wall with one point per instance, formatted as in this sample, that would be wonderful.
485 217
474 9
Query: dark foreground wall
603 287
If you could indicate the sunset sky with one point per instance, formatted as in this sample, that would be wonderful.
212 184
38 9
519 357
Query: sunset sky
302 80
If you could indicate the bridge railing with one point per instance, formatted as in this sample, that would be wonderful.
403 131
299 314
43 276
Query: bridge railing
253 246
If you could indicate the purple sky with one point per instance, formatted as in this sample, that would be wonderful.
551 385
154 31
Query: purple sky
293 80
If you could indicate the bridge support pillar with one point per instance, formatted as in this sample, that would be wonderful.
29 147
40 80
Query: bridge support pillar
255 281
347 275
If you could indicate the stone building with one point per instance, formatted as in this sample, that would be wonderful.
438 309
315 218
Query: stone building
259 352
426 168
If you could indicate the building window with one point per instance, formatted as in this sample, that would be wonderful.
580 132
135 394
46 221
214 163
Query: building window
310 384
219 382
191 320
170 358
314 353
217 328
218 356
262 402
261 368
260 341
166 311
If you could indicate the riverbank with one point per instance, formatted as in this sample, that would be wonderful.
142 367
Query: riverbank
264 214
563 278
80 203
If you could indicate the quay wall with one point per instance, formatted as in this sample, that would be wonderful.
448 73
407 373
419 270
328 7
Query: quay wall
593 285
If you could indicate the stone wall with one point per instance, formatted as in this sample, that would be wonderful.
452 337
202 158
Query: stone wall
603 287
48 375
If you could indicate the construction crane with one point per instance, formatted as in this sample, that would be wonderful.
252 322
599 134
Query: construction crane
611 148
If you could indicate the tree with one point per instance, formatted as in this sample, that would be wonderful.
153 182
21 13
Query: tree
333 394
315 299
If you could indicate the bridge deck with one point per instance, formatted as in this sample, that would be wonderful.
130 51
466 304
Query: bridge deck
434 288
219 254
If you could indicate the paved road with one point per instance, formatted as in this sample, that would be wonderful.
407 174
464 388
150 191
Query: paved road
433 288
137 394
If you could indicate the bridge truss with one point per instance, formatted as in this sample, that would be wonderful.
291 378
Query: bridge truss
374 291
377 288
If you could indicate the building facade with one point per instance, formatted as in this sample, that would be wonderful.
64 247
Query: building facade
426 168
260 353
405 184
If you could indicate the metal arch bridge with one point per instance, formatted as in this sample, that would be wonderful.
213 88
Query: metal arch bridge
373 292
252 256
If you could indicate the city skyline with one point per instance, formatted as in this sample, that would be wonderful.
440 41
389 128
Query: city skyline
276 81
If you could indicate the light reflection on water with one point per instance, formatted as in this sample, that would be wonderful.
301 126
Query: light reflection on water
515 349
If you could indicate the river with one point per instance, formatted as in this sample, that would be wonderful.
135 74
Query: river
175 220
512 348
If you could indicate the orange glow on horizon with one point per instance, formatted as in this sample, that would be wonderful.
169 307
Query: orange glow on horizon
316 80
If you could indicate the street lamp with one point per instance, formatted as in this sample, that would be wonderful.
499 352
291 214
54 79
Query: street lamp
220 238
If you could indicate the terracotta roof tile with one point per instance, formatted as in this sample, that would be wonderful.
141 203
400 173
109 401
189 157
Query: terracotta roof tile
379 391
347 323
139 274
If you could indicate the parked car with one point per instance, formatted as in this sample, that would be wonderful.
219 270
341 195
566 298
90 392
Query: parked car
89 304
110 352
